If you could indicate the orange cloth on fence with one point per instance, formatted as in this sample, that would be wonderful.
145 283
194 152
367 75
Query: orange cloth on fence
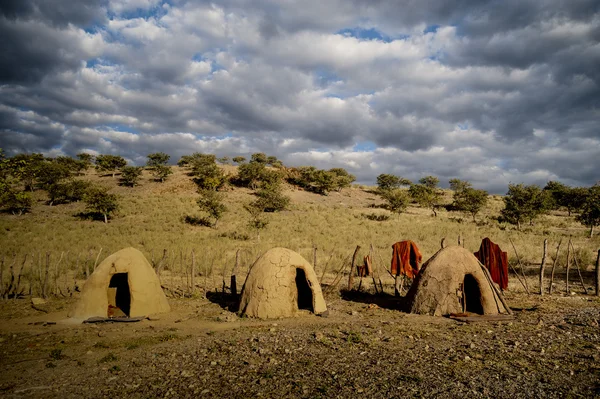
495 261
406 259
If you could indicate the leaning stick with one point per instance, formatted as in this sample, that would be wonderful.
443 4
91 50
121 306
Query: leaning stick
568 264
351 276
578 269
553 267
542 267
597 276
498 293
521 265
517 274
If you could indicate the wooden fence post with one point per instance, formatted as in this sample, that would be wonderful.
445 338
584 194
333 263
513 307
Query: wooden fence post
543 266
351 276
554 266
45 286
193 283
598 274
568 264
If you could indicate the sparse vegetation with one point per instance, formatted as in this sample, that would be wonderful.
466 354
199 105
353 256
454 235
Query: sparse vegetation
130 175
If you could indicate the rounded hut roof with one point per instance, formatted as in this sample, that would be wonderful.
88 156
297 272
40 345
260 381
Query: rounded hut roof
440 287
271 290
147 296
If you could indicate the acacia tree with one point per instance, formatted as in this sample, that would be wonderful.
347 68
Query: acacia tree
341 177
110 163
99 201
426 193
397 199
388 182
130 175
157 163
206 172
524 203
211 202
590 213
239 159
466 198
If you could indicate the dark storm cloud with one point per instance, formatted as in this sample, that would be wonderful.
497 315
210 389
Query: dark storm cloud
493 92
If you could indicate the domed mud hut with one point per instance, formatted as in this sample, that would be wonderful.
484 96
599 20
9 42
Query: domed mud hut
280 283
453 281
124 284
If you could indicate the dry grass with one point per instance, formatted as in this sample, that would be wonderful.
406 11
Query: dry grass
151 219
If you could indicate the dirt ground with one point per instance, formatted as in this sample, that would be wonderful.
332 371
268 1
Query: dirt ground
363 348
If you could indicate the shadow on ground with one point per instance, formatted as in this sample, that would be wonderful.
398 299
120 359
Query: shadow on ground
224 300
385 301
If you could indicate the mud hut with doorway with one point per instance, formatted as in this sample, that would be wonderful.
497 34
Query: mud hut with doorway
453 281
280 283
125 285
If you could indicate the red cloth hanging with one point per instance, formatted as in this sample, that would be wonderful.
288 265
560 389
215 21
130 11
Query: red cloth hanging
406 259
495 261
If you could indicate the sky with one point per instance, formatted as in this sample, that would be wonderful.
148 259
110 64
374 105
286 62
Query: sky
493 92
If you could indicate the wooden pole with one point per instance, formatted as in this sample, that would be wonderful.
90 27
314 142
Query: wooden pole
443 243
351 276
521 265
372 265
578 270
496 290
542 267
597 279
517 274
553 267
193 284
18 284
315 258
568 264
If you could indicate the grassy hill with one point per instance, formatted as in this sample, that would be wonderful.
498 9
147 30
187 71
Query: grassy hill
152 215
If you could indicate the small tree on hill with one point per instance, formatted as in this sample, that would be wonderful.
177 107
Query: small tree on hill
157 163
575 199
110 163
130 175
26 168
426 193
15 201
251 174
257 221
99 201
342 179
523 203
86 159
466 198
211 202
389 182
50 173
70 191
397 199
208 175
239 159
590 213
259 157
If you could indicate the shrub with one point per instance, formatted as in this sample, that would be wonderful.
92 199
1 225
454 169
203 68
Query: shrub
71 191
208 175
397 200
388 182
110 163
157 164
99 201
16 202
524 203
466 198
590 214
239 159
377 217
130 175
211 202
426 193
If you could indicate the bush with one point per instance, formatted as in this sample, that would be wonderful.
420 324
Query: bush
397 200
426 193
466 198
524 203
208 175
377 217
157 164
71 191
389 182
100 202
271 200
110 163
16 202
211 202
130 175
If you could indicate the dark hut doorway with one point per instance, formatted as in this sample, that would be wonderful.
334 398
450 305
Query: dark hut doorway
305 295
472 295
120 283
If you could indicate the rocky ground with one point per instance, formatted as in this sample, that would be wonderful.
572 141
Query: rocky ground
551 349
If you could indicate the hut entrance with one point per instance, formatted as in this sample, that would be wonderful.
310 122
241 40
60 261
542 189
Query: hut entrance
305 295
472 295
119 295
